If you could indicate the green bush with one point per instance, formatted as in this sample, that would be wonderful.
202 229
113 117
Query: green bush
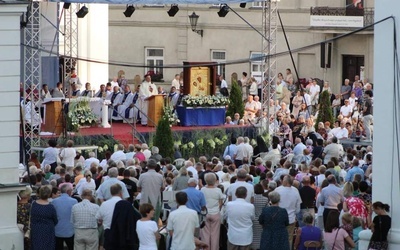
163 138
236 104
325 109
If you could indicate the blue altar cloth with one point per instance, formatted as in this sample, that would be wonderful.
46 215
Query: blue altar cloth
210 116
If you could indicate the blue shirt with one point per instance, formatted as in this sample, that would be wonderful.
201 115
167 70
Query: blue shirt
103 192
230 150
352 172
196 199
63 206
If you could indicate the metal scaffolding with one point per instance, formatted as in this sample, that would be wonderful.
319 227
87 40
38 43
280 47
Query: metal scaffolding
269 29
32 78
70 39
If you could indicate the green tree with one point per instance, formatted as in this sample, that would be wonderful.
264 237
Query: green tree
163 138
236 104
325 109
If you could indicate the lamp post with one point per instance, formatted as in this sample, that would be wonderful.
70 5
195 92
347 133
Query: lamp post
193 18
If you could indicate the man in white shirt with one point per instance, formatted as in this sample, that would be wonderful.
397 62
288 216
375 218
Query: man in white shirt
340 133
250 108
175 82
118 155
315 89
241 182
248 147
103 193
240 152
147 89
290 201
257 102
105 213
190 168
92 158
346 109
182 224
298 149
332 150
239 214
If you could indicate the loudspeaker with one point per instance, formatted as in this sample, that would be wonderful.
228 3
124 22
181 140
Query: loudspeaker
242 5
322 63
66 5
328 64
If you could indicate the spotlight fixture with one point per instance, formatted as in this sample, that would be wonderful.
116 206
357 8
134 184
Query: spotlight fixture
129 10
82 12
223 11
174 9
242 5
193 18
66 5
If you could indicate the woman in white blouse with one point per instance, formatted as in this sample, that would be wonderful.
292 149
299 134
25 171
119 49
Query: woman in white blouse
67 156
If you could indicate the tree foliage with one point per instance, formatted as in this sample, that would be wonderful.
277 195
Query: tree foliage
236 104
163 138
325 109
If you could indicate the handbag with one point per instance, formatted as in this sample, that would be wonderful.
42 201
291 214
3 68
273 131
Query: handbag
333 247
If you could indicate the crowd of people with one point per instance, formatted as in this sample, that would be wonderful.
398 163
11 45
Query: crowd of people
279 197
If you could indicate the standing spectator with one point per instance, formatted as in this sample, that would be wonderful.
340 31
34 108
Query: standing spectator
146 151
334 236
50 155
260 201
103 192
151 184
196 200
119 155
181 182
105 213
331 196
380 226
345 90
354 170
131 152
86 183
122 233
367 114
240 214
307 195
130 185
230 149
307 233
175 82
64 229
155 154
240 152
241 182
274 220
92 158
291 203
43 221
146 228
182 224
67 156
332 150
213 197
23 213
85 224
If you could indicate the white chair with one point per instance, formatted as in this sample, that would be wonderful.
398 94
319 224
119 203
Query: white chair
180 162
168 203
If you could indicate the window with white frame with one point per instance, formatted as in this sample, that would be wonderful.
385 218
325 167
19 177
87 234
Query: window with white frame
219 56
256 65
257 4
154 58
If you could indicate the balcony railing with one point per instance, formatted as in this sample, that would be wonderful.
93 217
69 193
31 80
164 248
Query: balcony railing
367 13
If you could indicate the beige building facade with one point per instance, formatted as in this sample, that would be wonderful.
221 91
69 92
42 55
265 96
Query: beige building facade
151 37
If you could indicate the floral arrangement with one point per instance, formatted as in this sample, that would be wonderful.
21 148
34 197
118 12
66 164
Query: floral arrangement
170 115
205 101
80 114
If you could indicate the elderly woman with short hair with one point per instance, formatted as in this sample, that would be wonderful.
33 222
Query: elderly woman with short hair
308 233
181 182
23 210
210 232
274 220
43 221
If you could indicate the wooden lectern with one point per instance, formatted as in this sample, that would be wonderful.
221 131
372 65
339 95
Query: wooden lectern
155 110
53 119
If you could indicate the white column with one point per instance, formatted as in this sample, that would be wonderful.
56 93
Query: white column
10 13
386 151
93 45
